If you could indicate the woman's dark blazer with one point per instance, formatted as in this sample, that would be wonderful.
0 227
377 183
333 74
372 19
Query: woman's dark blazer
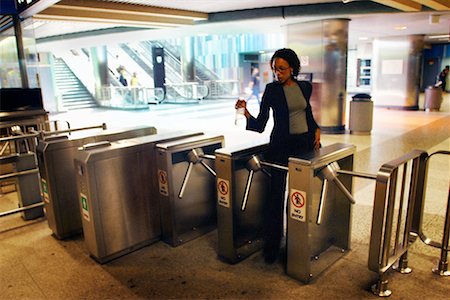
275 98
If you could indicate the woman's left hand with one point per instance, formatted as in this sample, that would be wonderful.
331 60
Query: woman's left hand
317 139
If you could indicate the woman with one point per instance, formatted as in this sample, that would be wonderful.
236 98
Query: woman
295 132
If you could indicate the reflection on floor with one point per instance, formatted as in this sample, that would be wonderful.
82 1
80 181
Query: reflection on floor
34 265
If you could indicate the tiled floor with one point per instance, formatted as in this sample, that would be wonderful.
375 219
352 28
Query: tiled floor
34 265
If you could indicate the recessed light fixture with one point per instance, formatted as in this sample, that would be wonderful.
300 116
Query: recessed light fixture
400 27
439 36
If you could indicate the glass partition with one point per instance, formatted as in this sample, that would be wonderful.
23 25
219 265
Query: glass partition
9 59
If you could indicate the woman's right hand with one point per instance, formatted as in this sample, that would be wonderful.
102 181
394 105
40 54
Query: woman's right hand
240 103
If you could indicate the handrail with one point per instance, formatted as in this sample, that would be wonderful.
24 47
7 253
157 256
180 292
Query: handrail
398 185
442 265
130 97
187 91
417 224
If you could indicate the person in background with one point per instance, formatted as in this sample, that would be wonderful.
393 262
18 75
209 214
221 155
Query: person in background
294 132
443 77
134 84
122 78
254 85
134 81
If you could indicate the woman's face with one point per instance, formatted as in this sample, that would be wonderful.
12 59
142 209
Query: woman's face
281 70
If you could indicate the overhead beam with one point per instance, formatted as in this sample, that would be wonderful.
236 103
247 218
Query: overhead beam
435 4
119 18
404 5
119 14
106 6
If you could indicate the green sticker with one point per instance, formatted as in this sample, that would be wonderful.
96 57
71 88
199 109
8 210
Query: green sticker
85 207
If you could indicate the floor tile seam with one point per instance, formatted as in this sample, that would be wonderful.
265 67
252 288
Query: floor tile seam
30 275
442 137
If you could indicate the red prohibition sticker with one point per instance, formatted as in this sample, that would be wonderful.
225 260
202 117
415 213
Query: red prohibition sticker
297 210
162 177
222 187
223 192
163 183
298 200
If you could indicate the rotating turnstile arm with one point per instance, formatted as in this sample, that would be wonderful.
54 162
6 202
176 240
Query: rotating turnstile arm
344 190
208 168
329 172
185 180
254 164
247 190
266 172
323 198
195 156
275 166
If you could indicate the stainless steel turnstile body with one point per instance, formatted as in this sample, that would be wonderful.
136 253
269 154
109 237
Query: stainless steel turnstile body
311 248
240 232
193 214
58 181
118 195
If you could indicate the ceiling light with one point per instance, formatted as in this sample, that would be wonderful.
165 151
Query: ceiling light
440 36
363 38
401 27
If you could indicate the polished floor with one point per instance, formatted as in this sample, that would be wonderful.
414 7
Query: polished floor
34 265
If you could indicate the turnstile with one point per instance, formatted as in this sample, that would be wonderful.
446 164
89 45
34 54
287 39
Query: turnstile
319 210
55 158
25 173
187 187
118 194
241 192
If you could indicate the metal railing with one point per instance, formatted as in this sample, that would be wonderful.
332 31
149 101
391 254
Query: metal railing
130 97
186 92
28 144
223 88
417 228
398 186
25 166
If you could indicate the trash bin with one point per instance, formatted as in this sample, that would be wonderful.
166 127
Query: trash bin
361 114
433 98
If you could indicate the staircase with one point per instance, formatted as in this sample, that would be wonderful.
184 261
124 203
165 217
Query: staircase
74 94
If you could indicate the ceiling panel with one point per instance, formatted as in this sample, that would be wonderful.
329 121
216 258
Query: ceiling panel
211 6
368 26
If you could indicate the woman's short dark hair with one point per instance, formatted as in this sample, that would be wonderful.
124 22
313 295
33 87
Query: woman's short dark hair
290 56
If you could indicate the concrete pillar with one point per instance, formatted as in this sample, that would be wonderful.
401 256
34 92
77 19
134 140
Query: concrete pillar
322 49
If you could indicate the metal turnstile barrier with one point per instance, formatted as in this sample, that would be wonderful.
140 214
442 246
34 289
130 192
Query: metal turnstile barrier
19 166
319 213
186 182
55 158
241 192
398 186
397 213
26 175
118 194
